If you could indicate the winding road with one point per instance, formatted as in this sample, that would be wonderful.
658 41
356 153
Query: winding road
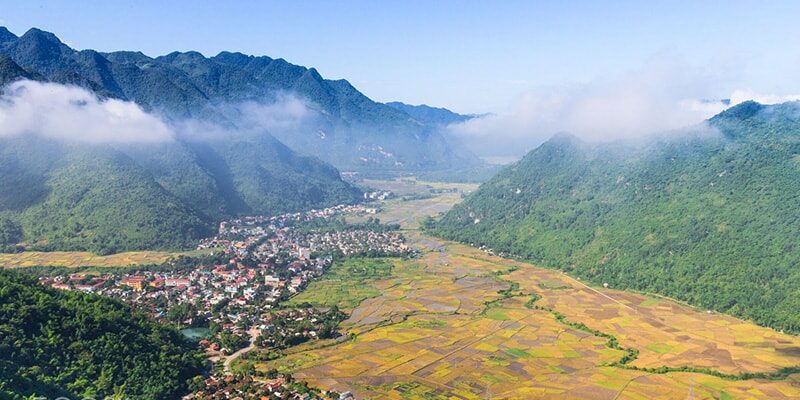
231 358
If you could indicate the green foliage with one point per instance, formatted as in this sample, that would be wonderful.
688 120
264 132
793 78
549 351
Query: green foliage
101 201
106 200
346 284
709 218
77 345
10 232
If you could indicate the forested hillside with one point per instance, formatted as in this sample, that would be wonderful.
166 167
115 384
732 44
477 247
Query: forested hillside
58 343
106 199
709 217
430 115
226 114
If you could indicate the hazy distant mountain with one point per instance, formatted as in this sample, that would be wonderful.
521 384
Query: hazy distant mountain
709 217
430 115
344 127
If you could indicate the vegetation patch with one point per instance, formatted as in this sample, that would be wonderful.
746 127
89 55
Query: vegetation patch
346 284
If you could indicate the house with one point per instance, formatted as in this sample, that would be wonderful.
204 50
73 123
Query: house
175 282
134 282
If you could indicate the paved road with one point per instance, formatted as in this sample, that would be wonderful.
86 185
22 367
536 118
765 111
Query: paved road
231 358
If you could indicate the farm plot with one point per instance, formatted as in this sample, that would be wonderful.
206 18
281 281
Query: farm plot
441 329
461 324
74 259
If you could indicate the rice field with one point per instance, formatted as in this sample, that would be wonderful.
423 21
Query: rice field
75 259
460 324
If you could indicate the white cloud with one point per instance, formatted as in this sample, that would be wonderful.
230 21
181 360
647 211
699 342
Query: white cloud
664 96
660 97
285 113
71 113
739 96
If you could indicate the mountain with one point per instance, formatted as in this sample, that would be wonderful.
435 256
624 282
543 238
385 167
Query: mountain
341 126
428 115
709 216
70 195
105 199
76 345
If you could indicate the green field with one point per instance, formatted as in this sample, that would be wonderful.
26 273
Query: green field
346 283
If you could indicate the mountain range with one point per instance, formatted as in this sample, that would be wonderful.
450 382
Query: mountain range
256 136
341 126
708 216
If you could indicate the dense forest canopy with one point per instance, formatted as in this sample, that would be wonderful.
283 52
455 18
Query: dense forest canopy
709 216
57 343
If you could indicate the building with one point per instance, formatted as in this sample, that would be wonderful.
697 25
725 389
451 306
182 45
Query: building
175 282
134 282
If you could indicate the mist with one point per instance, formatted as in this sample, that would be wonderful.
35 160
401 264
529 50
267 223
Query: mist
662 98
71 113
281 113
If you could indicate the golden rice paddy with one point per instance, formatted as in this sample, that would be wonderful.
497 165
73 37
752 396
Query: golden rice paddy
440 330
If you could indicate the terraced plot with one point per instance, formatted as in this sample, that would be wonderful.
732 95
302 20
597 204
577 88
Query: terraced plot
460 324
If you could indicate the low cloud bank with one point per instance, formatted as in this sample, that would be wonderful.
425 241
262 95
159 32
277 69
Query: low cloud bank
283 112
657 99
740 96
72 113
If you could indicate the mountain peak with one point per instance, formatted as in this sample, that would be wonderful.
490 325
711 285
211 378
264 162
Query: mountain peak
233 58
6 36
40 35
430 115
565 139
741 111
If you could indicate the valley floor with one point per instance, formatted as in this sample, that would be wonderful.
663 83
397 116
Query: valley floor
459 323
75 259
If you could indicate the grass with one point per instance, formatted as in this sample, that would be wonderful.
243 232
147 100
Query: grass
346 284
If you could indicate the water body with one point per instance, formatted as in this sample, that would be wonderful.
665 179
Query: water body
196 333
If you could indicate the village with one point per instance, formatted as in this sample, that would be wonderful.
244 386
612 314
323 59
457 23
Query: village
230 300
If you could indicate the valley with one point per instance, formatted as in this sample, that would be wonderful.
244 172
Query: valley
494 200
460 323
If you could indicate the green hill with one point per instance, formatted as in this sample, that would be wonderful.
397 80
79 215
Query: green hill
106 199
707 217
76 345
103 198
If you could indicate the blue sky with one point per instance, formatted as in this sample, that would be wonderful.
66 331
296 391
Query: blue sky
469 56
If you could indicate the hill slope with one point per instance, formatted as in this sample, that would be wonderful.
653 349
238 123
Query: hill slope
105 199
71 344
65 195
430 115
342 125
706 218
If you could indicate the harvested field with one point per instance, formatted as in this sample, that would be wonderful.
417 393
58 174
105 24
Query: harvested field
460 324
74 259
